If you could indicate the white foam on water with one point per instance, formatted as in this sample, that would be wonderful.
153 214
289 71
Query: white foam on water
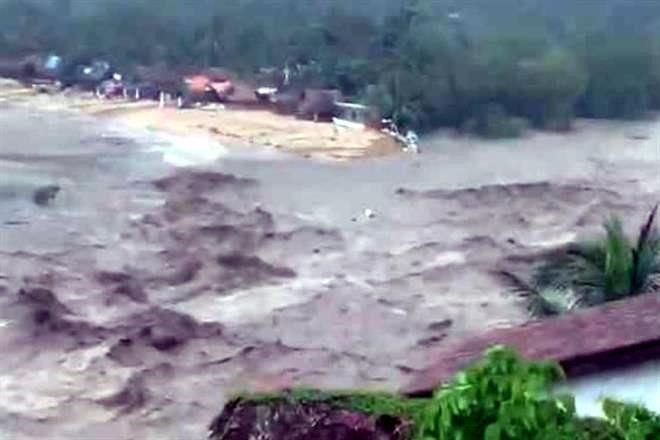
179 151
192 150
254 304
448 258
561 240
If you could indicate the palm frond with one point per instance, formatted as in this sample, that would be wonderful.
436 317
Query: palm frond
647 232
593 252
542 302
549 302
579 271
619 267
515 283
645 255
556 272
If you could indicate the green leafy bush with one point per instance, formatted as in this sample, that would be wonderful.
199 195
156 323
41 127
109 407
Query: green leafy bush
598 429
633 421
493 122
631 62
502 397
547 88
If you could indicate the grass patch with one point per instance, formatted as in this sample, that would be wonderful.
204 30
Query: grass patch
373 403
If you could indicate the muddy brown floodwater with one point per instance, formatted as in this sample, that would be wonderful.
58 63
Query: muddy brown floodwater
142 295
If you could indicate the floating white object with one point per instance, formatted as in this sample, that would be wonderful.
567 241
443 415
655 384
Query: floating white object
369 213
266 90
412 142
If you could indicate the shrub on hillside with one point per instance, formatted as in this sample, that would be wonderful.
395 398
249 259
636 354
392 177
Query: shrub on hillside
623 73
492 122
547 88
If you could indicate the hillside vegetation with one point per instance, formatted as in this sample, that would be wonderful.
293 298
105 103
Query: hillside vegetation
475 65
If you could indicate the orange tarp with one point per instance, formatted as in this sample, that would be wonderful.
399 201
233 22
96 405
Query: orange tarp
199 83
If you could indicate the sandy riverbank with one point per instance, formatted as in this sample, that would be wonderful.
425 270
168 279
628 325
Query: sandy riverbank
228 125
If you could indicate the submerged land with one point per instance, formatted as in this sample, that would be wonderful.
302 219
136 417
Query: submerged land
148 293
155 262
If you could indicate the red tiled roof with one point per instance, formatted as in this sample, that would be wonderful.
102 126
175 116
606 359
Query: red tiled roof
601 335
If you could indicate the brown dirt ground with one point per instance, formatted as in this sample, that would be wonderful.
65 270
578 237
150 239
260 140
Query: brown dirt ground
234 126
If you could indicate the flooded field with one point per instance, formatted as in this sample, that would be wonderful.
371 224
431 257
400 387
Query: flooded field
144 293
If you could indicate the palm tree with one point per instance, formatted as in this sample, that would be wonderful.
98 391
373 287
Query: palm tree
591 273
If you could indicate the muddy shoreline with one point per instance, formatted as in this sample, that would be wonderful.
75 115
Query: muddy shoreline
230 124
147 294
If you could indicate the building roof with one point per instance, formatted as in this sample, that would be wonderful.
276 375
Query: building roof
596 339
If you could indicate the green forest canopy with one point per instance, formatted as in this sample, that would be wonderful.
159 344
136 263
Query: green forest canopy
428 63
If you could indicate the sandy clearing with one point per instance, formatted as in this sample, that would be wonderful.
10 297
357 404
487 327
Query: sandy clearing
235 127
263 128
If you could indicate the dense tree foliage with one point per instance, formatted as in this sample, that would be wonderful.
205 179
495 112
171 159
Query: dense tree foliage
470 64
